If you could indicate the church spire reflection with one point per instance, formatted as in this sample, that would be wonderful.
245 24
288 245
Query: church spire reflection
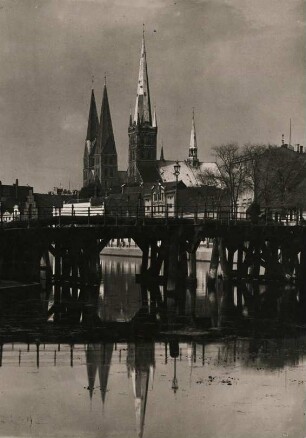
140 366
98 359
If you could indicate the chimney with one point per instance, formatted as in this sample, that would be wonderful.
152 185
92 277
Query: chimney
16 188
283 139
298 148
301 149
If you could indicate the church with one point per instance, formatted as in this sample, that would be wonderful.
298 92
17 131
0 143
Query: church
100 165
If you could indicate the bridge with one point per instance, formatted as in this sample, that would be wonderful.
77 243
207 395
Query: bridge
67 246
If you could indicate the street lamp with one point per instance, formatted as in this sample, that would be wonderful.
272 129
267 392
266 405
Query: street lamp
176 173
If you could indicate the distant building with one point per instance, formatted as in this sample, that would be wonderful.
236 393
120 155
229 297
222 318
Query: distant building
280 179
17 202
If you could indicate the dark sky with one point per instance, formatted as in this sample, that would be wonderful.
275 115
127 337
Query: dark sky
240 63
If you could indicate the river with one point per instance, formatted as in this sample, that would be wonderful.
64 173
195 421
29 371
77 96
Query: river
247 381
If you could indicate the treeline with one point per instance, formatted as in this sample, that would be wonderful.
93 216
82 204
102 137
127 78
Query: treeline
274 176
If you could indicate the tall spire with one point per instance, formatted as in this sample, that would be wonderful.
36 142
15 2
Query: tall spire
93 121
143 104
105 142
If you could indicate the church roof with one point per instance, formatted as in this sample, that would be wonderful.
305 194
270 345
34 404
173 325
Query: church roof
105 140
148 171
143 105
192 176
93 120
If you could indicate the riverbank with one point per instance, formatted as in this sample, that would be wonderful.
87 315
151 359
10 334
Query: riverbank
203 253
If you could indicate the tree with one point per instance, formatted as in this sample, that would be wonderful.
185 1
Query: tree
231 173
278 175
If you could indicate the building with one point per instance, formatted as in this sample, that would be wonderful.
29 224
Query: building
100 166
279 179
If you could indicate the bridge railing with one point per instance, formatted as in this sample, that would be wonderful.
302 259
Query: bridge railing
100 214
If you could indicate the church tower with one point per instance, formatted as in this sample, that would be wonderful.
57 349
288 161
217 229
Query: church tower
90 143
142 127
105 162
193 148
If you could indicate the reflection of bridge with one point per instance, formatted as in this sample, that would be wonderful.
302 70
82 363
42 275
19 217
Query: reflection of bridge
258 247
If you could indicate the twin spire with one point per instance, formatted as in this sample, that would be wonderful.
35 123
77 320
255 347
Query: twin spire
101 131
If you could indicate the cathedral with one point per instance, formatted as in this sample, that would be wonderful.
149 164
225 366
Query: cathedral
100 169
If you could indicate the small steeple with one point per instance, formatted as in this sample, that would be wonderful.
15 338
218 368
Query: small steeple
193 148
154 123
193 137
105 141
162 153
93 120
143 104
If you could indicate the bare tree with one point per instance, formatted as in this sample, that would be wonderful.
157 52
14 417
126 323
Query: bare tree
251 156
278 173
230 173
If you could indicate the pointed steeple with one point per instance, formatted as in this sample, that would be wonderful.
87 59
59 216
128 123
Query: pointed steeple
162 153
193 148
93 120
90 142
106 141
143 104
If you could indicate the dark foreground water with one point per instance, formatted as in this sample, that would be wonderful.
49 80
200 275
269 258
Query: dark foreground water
247 381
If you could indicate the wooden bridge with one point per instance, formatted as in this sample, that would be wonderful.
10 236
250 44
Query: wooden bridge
268 247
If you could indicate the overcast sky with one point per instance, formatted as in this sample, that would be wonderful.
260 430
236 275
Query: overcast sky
240 63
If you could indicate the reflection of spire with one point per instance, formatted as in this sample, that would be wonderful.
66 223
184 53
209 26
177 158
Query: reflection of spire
98 357
174 352
141 364
104 367
91 363
174 385
140 386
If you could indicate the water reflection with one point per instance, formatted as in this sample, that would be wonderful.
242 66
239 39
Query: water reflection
234 308
228 357
160 389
